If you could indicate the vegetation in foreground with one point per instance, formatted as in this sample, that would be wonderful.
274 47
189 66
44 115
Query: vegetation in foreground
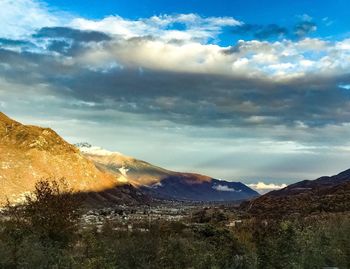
45 232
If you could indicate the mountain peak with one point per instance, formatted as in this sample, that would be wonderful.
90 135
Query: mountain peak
345 175
6 120
28 137
30 153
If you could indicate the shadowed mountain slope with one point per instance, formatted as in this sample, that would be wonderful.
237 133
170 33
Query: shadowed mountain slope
325 194
165 184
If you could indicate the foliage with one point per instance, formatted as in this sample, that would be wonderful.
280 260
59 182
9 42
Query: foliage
44 233
316 242
42 229
52 212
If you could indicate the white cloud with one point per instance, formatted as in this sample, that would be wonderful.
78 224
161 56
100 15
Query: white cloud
344 86
149 43
274 147
161 27
263 187
92 150
284 60
20 18
189 57
327 21
224 188
305 17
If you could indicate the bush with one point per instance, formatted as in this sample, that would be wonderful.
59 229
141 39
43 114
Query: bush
42 229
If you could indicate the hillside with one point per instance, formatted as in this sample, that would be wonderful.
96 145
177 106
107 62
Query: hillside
30 153
325 194
165 184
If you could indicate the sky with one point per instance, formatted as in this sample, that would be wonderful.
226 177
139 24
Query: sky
255 91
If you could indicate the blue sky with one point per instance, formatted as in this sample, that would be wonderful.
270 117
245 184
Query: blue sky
332 17
268 11
256 91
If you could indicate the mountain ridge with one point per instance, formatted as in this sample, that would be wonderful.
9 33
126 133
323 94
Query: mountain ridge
324 194
166 184
30 153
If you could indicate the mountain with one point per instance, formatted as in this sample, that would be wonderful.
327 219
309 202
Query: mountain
30 153
325 194
127 169
161 183
187 186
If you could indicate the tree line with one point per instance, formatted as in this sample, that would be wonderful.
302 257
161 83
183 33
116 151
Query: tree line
45 232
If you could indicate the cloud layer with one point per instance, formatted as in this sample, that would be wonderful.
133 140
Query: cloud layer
168 75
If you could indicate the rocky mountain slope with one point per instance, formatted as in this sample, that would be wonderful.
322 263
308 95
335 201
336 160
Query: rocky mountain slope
325 194
161 183
30 153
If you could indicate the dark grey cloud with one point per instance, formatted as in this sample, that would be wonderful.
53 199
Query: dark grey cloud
231 50
17 44
90 86
68 41
13 42
183 98
74 34
60 46
187 98
135 110
275 31
261 32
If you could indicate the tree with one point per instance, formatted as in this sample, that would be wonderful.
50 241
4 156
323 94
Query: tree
52 212
40 231
13 232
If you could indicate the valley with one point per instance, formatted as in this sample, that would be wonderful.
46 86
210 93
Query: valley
86 207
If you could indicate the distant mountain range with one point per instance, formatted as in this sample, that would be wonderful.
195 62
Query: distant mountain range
30 153
325 194
161 183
